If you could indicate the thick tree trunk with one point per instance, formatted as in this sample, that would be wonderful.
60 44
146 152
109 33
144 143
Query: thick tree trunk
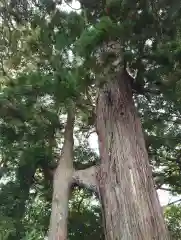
131 206
61 185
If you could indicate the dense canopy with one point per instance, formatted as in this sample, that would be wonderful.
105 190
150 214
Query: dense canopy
49 57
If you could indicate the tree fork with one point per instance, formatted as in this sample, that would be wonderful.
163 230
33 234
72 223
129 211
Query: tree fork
87 178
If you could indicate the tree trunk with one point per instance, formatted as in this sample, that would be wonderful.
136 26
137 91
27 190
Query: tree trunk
130 202
59 214
61 185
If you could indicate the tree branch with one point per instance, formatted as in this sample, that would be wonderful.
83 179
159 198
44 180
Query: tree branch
165 189
179 200
80 202
86 178
68 135
76 9
67 149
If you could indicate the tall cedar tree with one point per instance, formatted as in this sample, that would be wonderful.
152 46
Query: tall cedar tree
109 41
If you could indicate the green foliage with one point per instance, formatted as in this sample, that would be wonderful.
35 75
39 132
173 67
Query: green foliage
7 227
93 37
48 56
84 216
173 219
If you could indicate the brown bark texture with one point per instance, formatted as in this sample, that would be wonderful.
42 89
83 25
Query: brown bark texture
130 203
61 185
64 177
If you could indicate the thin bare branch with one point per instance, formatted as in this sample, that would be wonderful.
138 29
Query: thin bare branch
76 9
177 201
165 189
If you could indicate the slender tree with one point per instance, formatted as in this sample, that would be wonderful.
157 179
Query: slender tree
63 174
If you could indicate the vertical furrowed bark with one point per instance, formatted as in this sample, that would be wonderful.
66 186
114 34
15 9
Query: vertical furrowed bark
61 184
130 202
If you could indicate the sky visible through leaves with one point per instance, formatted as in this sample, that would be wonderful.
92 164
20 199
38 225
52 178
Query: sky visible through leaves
164 196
